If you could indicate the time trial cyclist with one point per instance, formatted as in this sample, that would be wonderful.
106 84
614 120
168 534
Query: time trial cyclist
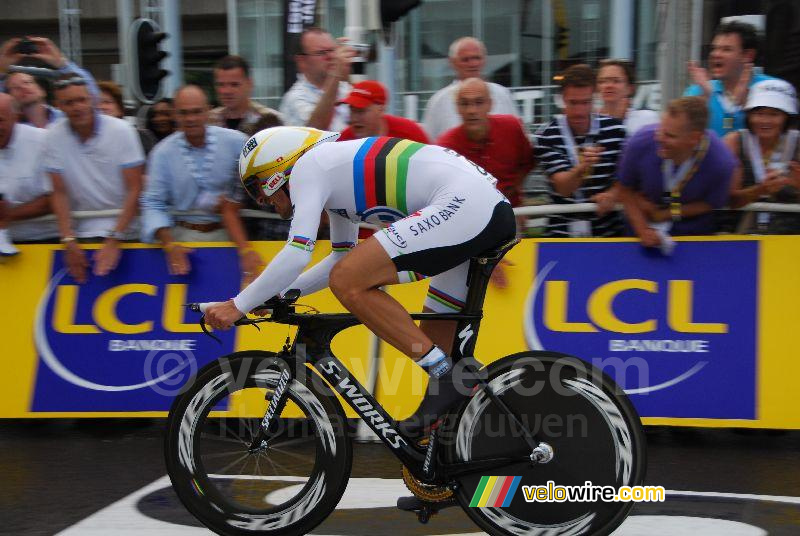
442 210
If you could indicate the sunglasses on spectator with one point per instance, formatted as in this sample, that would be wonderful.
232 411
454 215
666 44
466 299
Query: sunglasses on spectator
74 81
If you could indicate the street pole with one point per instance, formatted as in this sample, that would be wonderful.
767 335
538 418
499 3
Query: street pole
171 12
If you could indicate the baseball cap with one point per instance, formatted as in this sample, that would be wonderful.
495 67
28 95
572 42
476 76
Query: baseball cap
365 93
774 93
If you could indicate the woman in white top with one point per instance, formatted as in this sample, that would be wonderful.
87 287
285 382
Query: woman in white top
616 81
768 150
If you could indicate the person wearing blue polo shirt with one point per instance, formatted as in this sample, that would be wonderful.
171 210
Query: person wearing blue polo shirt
729 76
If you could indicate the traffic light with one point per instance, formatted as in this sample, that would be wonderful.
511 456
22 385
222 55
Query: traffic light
392 10
562 41
146 72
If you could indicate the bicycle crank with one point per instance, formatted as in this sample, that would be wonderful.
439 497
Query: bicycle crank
425 492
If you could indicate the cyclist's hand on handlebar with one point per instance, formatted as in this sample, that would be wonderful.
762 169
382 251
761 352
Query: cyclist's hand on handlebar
222 315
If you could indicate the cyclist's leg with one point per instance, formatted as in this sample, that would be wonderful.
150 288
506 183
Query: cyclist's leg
431 241
356 282
446 294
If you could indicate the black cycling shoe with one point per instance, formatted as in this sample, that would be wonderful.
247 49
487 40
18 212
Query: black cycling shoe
442 394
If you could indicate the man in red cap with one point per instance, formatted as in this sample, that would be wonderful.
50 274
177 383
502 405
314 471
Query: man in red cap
367 102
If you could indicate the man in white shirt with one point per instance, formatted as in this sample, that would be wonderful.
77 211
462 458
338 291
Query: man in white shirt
323 67
24 186
468 58
95 163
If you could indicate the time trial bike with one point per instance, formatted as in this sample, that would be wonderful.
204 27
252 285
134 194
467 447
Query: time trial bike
258 444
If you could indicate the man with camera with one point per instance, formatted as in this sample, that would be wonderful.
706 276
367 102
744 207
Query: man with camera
323 67
20 59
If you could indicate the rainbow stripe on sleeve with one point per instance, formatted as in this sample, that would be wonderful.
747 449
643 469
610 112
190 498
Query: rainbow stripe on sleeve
342 247
380 173
301 242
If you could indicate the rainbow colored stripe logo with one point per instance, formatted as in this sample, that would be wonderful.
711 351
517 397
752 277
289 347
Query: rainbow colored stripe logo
302 242
380 173
495 491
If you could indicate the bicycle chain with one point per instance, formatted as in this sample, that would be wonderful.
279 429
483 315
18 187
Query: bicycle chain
425 492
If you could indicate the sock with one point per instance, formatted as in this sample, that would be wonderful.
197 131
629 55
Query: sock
435 362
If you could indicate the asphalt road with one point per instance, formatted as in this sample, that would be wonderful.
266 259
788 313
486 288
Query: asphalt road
105 477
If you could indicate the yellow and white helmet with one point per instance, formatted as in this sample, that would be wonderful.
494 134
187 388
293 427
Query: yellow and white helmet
268 157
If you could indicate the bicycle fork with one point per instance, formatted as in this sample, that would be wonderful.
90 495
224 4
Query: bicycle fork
277 401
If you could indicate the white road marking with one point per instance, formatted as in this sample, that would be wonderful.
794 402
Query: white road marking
680 525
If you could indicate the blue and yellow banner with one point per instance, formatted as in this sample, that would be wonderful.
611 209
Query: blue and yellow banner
702 338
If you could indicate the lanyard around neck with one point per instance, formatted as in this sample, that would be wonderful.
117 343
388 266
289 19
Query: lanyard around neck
569 139
675 182
759 163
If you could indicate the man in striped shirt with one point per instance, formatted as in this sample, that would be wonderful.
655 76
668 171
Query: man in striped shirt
578 151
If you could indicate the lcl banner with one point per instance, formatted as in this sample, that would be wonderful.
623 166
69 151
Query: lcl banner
705 337
677 333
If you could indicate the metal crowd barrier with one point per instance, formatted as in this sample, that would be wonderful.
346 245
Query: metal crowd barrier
532 210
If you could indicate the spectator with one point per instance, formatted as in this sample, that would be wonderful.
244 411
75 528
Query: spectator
234 87
323 68
29 94
467 58
24 186
730 62
110 103
497 143
616 84
768 151
195 168
95 162
673 175
578 151
367 102
160 119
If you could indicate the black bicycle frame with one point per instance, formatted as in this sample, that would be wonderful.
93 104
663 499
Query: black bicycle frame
312 345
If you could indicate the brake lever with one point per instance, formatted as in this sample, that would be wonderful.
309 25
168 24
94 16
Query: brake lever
204 327
244 321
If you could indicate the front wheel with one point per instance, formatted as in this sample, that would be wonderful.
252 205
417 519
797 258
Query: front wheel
289 483
595 433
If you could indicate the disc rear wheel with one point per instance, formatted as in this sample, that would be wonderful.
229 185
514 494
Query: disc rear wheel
592 427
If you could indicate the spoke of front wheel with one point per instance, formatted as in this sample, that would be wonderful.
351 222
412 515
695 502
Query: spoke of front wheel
242 458
212 437
290 442
291 454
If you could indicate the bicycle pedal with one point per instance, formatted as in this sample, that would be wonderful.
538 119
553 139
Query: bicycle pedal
423 508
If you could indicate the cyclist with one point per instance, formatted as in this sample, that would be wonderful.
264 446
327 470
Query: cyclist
443 209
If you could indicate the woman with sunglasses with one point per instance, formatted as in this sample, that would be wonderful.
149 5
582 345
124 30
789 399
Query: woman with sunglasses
616 84
768 150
